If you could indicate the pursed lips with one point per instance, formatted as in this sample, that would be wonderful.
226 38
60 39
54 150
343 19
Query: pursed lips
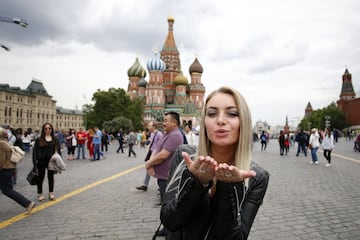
221 132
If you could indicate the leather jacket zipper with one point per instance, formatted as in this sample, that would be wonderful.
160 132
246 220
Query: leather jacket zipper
238 210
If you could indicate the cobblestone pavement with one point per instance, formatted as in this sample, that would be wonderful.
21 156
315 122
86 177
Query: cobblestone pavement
98 200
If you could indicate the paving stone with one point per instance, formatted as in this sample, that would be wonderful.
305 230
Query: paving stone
303 201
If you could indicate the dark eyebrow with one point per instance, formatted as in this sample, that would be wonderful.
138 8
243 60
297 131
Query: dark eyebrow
227 108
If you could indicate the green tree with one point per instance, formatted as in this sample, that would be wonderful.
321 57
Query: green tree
317 118
119 122
109 106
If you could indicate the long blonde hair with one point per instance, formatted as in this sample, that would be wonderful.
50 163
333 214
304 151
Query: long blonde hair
243 150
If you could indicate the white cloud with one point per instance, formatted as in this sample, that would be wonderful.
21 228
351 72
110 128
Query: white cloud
280 55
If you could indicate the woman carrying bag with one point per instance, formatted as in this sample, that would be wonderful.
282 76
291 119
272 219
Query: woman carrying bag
7 169
44 148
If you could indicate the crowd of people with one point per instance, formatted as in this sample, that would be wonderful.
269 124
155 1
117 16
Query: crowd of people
310 141
209 187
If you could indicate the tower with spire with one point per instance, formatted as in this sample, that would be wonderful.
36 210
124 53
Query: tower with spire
168 89
308 109
286 127
347 89
348 103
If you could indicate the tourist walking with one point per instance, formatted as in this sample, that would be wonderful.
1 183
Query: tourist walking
190 136
155 136
314 145
81 138
89 143
71 144
131 138
96 143
7 169
301 139
282 142
263 140
44 147
328 145
120 138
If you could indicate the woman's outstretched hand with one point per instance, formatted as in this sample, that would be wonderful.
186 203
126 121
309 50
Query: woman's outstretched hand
203 168
229 173
206 168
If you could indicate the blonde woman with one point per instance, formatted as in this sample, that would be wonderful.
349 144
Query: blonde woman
218 193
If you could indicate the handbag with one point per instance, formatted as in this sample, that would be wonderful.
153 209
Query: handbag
32 176
17 154
148 155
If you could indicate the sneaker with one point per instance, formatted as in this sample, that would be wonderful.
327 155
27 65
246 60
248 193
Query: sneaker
316 162
328 165
30 208
143 188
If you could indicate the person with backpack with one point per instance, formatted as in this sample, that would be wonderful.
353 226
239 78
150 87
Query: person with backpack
263 140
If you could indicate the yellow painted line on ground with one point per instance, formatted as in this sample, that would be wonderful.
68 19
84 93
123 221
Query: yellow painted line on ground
345 157
43 206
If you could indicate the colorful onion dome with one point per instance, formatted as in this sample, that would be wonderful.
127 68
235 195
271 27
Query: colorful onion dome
180 79
196 67
136 70
155 64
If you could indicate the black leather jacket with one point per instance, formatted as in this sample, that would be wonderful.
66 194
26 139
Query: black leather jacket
188 212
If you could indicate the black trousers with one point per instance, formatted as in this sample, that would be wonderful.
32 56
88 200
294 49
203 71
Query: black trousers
42 165
327 155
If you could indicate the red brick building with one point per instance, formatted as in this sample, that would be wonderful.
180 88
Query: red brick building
348 103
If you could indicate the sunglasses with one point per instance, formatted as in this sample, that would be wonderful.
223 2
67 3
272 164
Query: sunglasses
47 128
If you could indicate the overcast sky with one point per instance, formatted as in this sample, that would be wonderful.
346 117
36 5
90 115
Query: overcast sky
279 54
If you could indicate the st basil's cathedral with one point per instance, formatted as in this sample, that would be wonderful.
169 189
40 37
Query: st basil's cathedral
167 88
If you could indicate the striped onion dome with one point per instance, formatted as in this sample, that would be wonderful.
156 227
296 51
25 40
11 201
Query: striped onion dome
136 70
180 79
195 67
155 64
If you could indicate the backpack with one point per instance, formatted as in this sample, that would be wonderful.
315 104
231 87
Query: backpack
263 138
303 138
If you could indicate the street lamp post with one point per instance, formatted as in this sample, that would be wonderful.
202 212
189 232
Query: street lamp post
17 21
327 121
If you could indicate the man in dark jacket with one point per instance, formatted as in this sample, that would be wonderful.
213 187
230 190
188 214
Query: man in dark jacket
301 139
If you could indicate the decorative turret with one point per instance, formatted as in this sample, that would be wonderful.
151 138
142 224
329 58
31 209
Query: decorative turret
196 88
136 70
180 79
195 67
347 89
155 64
